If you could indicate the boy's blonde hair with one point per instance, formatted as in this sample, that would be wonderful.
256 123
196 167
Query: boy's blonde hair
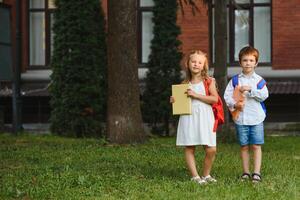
204 72
248 50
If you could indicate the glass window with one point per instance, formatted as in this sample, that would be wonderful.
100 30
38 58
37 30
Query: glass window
147 35
40 32
241 31
5 27
249 23
37 3
37 38
146 3
262 32
146 30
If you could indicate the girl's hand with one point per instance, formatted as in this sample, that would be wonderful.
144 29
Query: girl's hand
191 93
172 100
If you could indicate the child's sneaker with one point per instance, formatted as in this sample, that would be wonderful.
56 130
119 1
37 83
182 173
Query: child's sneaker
209 179
198 180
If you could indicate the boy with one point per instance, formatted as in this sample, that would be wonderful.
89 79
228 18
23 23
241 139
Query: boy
249 122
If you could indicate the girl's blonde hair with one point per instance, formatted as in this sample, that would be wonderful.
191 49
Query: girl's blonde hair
204 72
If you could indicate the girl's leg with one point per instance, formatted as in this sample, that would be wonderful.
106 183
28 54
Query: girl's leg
257 156
210 153
189 152
245 158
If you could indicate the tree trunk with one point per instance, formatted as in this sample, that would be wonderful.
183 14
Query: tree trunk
124 119
220 68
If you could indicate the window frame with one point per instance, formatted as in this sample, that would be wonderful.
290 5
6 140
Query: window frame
47 14
231 9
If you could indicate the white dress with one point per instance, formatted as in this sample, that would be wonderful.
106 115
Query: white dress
197 128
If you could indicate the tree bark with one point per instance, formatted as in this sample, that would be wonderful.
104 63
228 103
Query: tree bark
124 119
220 67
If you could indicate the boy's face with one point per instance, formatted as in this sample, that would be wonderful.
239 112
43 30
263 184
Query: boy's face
248 63
196 63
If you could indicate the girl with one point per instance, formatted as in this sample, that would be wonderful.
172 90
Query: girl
197 128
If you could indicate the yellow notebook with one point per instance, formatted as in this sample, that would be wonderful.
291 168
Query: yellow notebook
182 104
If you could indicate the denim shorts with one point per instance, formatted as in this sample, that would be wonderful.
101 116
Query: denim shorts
250 134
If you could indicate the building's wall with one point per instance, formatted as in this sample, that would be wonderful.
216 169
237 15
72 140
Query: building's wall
194 28
195 31
286 34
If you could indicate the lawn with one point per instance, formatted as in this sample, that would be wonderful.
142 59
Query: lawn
52 167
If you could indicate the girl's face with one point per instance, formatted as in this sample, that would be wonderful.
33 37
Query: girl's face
196 63
248 64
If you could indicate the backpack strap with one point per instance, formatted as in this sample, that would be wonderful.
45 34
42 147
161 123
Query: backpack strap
207 83
235 80
260 86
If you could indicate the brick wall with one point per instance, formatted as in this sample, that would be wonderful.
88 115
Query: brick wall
194 28
286 34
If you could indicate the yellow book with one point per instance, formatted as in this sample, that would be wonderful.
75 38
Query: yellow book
183 103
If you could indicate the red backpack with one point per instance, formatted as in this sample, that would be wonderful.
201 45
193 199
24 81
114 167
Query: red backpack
216 107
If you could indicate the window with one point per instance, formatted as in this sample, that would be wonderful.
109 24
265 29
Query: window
249 23
145 30
40 32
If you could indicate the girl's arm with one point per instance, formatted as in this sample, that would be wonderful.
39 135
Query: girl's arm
211 99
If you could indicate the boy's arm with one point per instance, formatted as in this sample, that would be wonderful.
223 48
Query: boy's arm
228 96
259 94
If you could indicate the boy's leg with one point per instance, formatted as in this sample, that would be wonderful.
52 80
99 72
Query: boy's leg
257 157
189 152
210 153
245 158
243 138
256 140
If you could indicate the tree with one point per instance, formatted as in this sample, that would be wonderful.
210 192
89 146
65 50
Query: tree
163 65
124 120
220 65
78 81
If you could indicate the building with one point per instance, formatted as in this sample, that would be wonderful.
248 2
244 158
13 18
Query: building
272 26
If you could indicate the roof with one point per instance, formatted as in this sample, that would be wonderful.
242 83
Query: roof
284 87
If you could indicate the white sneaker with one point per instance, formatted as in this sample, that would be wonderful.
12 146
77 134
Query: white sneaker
198 180
208 178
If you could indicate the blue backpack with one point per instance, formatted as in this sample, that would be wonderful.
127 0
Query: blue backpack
260 85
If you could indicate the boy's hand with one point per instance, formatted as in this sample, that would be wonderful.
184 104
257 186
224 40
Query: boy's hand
239 105
191 93
172 100
245 88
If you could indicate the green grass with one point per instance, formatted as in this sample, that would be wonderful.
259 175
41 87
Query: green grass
51 167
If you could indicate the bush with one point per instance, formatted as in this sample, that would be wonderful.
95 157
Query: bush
78 88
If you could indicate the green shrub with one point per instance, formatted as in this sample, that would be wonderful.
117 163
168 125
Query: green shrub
78 88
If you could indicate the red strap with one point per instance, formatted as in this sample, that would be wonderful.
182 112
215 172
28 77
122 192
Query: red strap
207 82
